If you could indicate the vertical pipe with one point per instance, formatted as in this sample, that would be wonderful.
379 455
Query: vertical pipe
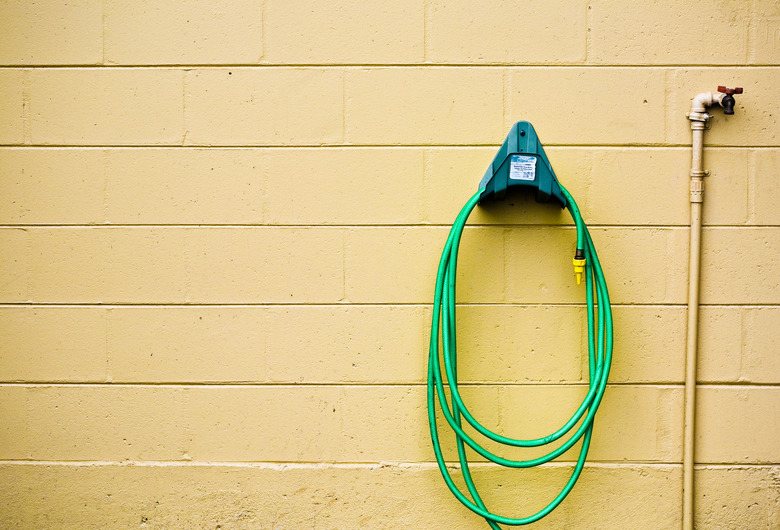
697 174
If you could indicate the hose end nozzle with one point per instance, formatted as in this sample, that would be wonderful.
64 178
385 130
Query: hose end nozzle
579 265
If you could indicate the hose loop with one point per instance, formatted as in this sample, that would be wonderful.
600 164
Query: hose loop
599 315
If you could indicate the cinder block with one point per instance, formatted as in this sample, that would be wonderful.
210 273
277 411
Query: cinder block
53 344
433 105
395 420
764 33
12 118
281 344
451 178
481 265
739 266
518 33
737 425
386 265
311 424
266 106
376 496
753 124
187 186
644 265
641 423
641 186
369 32
633 422
83 265
344 186
149 32
94 423
164 265
555 99
759 361
51 32
68 265
764 186
539 270
738 344
259 265
726 189
51 186
14 265
649 344
721 343
736 496
507 343
399 265
106 106
187 344
699 32
358 344
234 424
637 186
14 408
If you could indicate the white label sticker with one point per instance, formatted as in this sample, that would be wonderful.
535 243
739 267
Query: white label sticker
522 167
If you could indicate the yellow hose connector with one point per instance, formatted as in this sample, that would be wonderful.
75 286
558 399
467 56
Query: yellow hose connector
579 269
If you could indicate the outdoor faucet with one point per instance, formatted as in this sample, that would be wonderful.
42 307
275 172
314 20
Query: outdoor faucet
728 100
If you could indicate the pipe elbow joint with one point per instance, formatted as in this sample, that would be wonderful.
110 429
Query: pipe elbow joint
701 102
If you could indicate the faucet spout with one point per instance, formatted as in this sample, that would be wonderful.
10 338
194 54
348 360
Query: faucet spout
728 104
727 101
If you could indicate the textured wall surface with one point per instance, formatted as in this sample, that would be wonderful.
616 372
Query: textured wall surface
220 224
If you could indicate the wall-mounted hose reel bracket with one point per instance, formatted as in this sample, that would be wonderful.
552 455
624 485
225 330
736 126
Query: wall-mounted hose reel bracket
521 163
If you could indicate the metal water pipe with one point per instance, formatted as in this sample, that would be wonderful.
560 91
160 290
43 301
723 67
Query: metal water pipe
698 117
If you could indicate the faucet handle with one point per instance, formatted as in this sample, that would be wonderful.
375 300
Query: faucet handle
724 90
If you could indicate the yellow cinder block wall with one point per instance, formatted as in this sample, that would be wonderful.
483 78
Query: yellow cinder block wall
220 224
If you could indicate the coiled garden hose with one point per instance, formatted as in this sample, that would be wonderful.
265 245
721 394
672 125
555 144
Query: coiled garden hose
599 354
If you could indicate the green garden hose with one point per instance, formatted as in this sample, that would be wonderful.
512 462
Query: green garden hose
599 355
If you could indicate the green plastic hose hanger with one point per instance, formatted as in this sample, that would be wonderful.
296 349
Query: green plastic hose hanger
520 165
521 162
